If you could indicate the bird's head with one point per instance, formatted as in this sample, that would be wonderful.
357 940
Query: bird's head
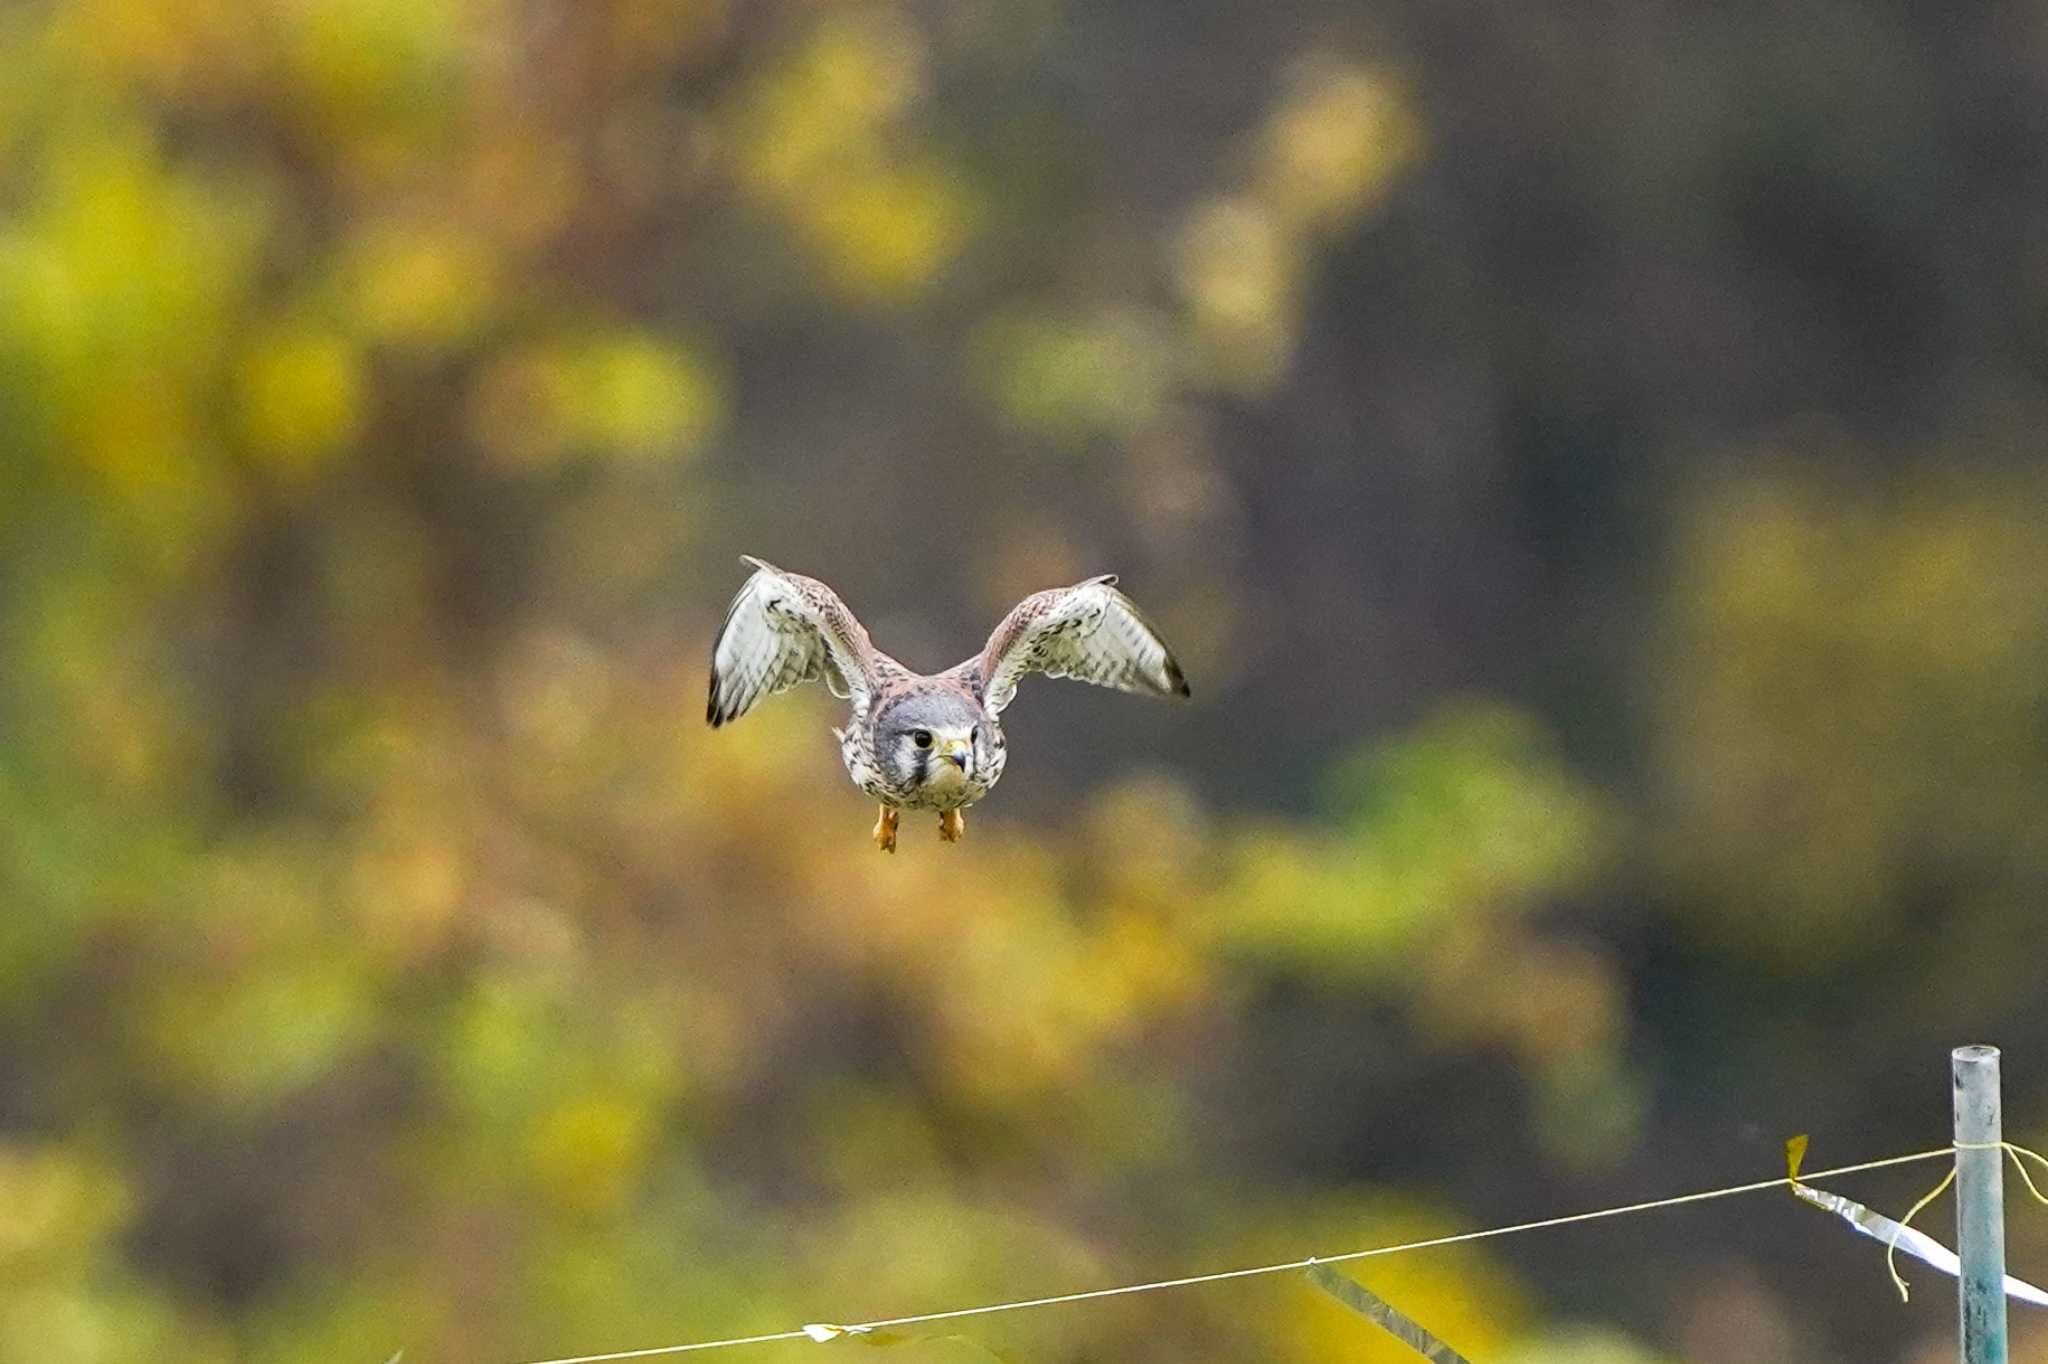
932 740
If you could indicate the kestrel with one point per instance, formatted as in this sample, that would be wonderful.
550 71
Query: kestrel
917 742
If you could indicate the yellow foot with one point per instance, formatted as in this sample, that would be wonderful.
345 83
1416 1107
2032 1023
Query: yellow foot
953 825
885 830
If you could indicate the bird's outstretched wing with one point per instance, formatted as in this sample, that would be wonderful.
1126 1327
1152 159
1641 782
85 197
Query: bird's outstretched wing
1089 631
783 629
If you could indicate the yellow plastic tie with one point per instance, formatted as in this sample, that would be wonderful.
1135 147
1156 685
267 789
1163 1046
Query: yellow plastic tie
2021 1165
1795 1156
1891 1245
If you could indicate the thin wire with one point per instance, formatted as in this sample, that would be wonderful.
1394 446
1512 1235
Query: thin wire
1781 1182
679 1349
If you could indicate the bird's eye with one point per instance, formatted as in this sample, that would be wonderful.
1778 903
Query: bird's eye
921 737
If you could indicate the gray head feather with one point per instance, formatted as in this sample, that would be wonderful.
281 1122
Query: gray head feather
933 712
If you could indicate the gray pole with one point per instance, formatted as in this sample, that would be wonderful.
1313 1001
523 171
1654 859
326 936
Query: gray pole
1980 1204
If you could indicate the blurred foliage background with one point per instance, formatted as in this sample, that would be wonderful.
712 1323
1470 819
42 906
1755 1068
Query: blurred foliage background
1588 457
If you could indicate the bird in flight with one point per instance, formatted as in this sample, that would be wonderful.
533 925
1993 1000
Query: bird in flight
917 742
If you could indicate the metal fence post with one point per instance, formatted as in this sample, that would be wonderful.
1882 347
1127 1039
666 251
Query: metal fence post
1980 1204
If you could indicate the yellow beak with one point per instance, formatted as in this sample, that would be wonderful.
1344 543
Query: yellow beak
959 751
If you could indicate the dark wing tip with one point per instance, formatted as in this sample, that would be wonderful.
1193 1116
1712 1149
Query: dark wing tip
1177 681
713 716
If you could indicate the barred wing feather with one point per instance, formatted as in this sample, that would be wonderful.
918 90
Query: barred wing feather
784 629
1090 632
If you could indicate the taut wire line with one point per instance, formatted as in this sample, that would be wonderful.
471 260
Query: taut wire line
825 1332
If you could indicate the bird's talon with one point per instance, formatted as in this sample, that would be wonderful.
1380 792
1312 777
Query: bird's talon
953 826
885 830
